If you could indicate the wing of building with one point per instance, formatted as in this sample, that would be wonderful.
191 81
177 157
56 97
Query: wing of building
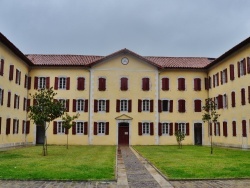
126 98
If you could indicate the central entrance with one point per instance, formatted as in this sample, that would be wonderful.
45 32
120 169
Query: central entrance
123 134
198 134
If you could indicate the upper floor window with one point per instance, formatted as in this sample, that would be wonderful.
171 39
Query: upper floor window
216 79
231 68
1 96
165 105
124 84
80 105
62 83
181 84
102 84
80 83
242 67
123 105
233 98
165 84
15 126
101 105
243 99
224 76
197 105
18 77
145 84
27 82
182 105
16 101
145 105
197 84
224 101
11 73
1 67
41 82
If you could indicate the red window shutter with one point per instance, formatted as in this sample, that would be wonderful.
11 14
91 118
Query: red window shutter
248 94
36 83
160 129
14 122
74 128
234 128
86 105
219 128
231 71
54 127
225 129
28 104
220 102
80 83
233 98
221 81
244 66
181 104
68 83
209 82
159 106
47 82
24 103
151 128
171 106
139 105
0 124
124 84
107 128
11 73
197 84
176 127
238 69
66 130
197 105
248 65
85 128
151 105
145 84
244 128
225 75
23 127
165 84
217 78
95 105
102 84
67 105
95 128
206 84
27 127
2 97
9 99
25 81
213 80
8 126
210 129
130 105
140 128
2 67
56 83
29 82
187 129
171 129
243 101
107 105
117 105
181 84
17 76
74 105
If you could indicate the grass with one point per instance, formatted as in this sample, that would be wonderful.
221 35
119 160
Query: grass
196 162
75 163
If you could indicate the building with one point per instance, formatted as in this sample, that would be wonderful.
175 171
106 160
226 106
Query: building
125 98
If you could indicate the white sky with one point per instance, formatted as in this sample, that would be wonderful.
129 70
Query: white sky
192 28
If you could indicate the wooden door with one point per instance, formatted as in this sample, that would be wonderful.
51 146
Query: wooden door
123 134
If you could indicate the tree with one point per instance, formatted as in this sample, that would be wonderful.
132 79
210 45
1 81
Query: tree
180 136
44 110
68 123
210 115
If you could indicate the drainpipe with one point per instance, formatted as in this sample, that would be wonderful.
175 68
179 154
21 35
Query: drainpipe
158 115
90 107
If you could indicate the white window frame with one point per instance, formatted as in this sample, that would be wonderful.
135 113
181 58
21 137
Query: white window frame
101 128
145 105
19 77
182 127
60 128
241 68
102 105
79 127
123 105
217 129
17 98
16 126
165 128
62 82
41 82
146 128
168 103
80 104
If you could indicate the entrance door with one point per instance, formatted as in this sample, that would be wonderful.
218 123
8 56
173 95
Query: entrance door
123 134
39 134
198 134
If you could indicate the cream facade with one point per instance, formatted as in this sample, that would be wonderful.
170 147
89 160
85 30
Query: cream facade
125 98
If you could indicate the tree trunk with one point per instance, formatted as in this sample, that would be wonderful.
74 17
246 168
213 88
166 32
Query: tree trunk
67 141
45 140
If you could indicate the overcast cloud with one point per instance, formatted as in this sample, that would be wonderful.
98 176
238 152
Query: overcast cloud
197 28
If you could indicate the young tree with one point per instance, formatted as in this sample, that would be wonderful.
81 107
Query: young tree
180 136
68 123
210 115
44 110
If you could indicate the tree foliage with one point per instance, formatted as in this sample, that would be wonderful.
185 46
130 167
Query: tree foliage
44 110
180 136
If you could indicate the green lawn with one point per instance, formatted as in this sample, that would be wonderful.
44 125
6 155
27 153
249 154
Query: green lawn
75 163
197 162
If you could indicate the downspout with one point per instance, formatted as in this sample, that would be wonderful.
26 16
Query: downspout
26 110
157 106
90 107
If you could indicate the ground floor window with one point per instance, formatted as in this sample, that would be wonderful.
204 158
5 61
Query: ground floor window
60 128
101 128
79 127
145 128
165 128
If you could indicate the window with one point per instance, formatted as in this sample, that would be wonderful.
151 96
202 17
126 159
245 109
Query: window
80 83
197 84
234 128
79 105
1 96
145 105
231 67
233 98
216 79
242 68
16 101
79 127
206 83
15 126
165 84
183 127
123 105
225 128
11 73
101 128
219 100
181 84
101 105
224 76
224 101
145 84
60 128
62 83
216 103
181 105
26 127
41 82
2 67
18 77
217 129
8 126
124 84
165 105
165 128
145 128
27 82
243 100
102 84
197 105
9 99
244 128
